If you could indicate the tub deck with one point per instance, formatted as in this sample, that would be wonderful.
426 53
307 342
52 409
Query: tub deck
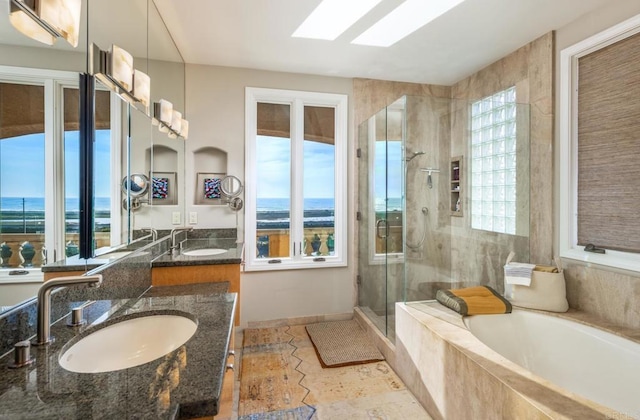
455 376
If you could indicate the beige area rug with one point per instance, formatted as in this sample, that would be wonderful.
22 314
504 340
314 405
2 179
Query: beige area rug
342 343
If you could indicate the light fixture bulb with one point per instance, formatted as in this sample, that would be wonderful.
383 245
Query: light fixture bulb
142 87
122 67
46 20
28 26
176 121
184 132
63 16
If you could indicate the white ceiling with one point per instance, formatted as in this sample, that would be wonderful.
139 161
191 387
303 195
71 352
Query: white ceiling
257 34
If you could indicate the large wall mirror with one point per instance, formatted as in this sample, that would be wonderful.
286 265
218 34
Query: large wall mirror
39 142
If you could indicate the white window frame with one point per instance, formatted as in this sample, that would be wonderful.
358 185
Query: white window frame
568 168
54 82
297 100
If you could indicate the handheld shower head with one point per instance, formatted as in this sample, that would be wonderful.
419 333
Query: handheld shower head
414 155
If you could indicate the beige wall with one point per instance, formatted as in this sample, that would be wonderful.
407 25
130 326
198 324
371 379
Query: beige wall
215 108
612 295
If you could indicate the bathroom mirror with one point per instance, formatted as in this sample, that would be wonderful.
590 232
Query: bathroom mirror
141 31
135 185
231 186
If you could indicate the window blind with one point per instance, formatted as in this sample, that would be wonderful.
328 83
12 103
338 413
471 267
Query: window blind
609 147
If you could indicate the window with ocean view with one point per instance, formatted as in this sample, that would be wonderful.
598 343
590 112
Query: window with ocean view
39 200
295 206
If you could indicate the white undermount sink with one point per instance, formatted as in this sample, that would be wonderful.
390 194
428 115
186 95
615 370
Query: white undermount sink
128 343
204 252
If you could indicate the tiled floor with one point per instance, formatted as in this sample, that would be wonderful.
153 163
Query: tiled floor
281 378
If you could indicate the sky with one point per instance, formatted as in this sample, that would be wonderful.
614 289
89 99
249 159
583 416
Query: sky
388 169
22 165
273 155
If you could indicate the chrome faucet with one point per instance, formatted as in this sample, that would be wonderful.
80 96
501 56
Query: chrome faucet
44 302
154 233
174 232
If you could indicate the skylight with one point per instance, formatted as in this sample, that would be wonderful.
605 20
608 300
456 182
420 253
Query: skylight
332 17
403 21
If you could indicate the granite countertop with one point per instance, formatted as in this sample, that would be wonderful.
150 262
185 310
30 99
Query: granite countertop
233 255
185 383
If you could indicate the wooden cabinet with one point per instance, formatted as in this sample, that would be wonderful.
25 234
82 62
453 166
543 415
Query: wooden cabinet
48 275
189 274
225 410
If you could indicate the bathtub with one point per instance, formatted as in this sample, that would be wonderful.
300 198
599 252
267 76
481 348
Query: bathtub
524 365
600 366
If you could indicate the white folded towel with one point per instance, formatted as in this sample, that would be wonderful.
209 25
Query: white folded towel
518 273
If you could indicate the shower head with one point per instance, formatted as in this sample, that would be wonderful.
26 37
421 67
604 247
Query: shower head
414 155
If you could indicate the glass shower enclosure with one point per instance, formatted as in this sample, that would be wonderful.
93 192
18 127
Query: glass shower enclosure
443 198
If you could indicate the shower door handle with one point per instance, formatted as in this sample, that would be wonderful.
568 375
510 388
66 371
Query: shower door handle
379 222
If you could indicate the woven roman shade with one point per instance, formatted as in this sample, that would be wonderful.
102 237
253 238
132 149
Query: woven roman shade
319 122
609 147
22 110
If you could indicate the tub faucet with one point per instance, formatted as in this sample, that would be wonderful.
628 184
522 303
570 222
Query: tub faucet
44 302
174 232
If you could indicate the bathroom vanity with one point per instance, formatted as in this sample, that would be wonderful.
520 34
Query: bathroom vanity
184 383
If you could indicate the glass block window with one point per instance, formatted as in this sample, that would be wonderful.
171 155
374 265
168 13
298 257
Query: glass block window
493 162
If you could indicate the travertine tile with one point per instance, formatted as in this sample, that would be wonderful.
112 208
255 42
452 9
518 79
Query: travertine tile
399 405
282 378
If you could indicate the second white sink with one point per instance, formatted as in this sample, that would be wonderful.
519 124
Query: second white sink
128 343
204 252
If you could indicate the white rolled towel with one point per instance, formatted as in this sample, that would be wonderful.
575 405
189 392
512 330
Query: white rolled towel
518 273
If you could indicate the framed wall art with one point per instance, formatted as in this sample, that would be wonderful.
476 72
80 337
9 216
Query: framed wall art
208 189
163 189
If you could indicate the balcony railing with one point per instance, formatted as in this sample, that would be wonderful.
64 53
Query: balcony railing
27 250
275 243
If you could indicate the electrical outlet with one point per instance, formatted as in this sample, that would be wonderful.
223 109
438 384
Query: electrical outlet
193 218
175 217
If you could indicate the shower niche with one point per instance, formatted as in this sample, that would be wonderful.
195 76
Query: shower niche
455 175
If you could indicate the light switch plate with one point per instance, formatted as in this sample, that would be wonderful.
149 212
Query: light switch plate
193 218
175 217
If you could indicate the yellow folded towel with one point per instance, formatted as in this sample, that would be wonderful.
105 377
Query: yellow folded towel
474 300
546 268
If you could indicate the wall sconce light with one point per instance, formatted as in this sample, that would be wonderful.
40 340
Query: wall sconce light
142 87
121 67
162 115
176 121
184 132
47 20
169 120
115 69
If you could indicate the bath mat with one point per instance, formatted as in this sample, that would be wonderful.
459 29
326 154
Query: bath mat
342 343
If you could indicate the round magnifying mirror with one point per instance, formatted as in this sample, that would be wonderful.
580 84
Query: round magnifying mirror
136 185
231 186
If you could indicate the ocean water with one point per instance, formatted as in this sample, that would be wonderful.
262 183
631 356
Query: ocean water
36 204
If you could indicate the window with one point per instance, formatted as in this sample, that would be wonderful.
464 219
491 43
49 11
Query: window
493 162
39 151
296 145
599 148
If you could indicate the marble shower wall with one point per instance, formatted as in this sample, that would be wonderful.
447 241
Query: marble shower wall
530 69
454 254
428 220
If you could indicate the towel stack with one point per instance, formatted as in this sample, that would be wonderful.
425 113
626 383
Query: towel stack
518 273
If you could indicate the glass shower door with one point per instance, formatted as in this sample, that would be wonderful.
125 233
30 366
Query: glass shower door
380 204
